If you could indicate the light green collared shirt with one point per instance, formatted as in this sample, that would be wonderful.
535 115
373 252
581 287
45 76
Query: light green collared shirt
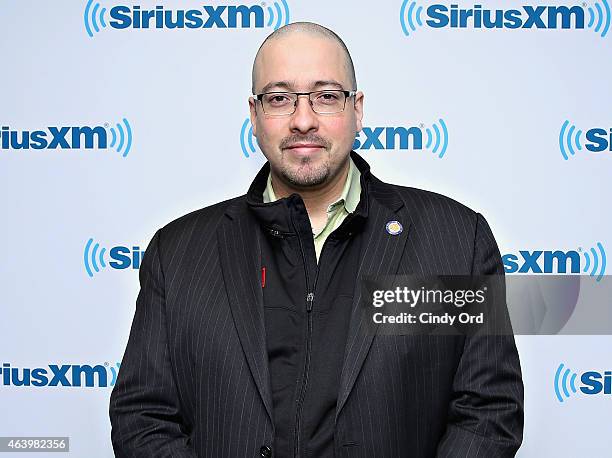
336 211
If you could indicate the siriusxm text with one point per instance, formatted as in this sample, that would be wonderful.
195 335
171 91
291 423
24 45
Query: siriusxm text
595 382
542 262
539 17
218 16
122 257
389 138
69 137
55 375
599 140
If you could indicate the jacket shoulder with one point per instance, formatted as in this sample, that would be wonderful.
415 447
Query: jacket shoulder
424 203
202 222
451 232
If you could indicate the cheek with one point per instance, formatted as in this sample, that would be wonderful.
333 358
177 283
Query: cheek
342 129
270 130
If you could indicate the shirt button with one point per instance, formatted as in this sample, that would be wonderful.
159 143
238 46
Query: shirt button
265 451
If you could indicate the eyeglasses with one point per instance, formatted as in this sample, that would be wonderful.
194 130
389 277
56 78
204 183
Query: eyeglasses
322 102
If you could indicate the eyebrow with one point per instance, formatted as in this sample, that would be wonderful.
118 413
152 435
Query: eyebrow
288 85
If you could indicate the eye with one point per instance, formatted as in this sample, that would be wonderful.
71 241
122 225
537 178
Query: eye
277 99
328 97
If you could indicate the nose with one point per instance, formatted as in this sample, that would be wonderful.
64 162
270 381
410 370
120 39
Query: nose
304 119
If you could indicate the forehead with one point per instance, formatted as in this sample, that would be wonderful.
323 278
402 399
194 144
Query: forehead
302 61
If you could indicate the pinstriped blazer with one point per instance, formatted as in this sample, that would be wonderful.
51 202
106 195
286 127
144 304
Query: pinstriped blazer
194 379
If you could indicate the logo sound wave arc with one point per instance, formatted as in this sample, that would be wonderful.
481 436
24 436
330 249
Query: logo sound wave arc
93 258
595 261
439 138
121 137
599 18
278 17
569 140
247 139
565 380
409 16
92 17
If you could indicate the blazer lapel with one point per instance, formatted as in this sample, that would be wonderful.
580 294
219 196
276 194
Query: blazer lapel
381 254
240 255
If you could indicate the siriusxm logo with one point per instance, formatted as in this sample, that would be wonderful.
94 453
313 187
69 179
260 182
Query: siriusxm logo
439 16
593 382
592 261
98 376
570 140
120 17
70 137
434 138
94 257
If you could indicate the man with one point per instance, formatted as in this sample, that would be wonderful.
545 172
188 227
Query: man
248 339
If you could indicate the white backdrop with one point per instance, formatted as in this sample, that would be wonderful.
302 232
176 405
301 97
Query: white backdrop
503 95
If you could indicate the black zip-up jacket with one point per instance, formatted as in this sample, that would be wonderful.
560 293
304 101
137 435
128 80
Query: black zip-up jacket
307 309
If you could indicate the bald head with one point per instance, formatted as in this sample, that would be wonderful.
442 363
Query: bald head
311 30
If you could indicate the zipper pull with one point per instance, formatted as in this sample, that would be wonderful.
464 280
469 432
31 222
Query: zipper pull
274 232
309 302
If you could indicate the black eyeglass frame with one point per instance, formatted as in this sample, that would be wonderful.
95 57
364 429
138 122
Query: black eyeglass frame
347 94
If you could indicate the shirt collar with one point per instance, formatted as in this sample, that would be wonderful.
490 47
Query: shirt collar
351 192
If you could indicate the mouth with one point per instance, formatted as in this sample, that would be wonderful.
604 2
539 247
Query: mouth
305 148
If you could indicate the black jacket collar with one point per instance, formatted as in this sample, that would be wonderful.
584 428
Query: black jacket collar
277 215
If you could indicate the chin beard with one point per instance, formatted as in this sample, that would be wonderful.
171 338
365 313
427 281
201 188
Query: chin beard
306 176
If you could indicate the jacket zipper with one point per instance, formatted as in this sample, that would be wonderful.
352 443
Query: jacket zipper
310 297
309 306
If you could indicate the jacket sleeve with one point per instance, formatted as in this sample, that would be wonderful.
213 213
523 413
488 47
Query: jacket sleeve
486 411
145 411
